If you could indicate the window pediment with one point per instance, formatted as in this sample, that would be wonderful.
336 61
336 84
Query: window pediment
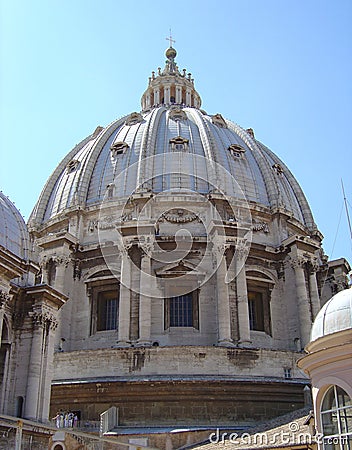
179 143
236 150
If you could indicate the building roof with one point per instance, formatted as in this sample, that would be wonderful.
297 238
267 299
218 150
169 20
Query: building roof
171 144
334 316
13 230
287 431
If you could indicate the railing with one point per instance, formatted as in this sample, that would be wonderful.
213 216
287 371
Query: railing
93 442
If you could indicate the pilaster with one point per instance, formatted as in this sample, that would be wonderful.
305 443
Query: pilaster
125 301
223 303
145 306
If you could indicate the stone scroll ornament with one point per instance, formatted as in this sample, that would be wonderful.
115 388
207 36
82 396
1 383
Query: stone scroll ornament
179 207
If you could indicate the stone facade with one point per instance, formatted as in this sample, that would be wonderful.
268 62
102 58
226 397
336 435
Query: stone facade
178 270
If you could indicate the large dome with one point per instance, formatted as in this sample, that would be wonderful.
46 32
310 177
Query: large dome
13 230
170 123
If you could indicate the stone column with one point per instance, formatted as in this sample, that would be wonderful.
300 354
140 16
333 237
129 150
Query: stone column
178 95
188 97
156 97
124 302
223 303
3 299
313 288
5 388
64 273
34 377
145 302
47 369
304 312
167 95
62 263
242 305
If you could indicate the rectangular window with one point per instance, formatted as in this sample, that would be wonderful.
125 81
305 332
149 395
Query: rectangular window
107 310
256 313
182 311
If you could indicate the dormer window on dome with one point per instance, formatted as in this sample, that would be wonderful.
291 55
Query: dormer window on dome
179 144
278 169
72 166
177 114
118 148
133 119
219 121
236 150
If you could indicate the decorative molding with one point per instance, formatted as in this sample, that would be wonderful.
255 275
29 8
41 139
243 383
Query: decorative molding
4 298
180 216
62 260
260 226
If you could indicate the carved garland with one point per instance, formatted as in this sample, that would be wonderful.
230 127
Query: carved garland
179 216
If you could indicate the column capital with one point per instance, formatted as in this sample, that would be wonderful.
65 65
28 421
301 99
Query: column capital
4 298
242 248
313 265
62 260
43 319
297 261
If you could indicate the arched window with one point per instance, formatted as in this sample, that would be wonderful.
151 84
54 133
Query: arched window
336 419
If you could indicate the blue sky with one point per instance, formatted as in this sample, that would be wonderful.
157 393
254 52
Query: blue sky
283 68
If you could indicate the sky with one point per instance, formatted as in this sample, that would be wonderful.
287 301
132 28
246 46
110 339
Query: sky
281 67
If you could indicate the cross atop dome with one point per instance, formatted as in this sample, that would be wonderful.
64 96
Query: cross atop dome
170 39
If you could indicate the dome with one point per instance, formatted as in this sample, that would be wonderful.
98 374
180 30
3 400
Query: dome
334 316
171 135
13 230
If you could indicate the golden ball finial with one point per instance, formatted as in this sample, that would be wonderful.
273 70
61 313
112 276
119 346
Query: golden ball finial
170 53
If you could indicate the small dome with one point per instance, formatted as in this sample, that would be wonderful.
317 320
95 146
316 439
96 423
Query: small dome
334 316
13 230
170 53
